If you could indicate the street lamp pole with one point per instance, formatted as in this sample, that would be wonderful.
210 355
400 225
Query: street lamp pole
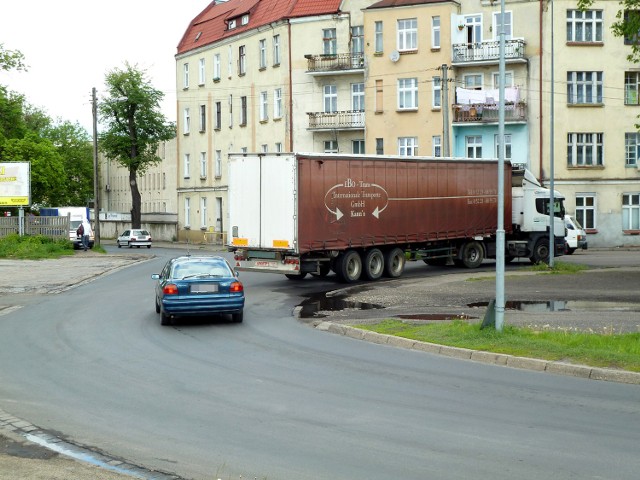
96 171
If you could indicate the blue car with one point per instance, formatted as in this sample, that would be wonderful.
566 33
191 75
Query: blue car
198 286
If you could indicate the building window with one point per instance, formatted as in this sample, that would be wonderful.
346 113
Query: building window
507 145
631 88
408 34
203 164
585 149
330 98
357 97
218 214
435 32
277 103
330 146
436 99
329 41
473 146
379 146
264 148
473 81
262 47
497 25
218 167
186 127
232 24
216 67
586 210
230 60
631 149
508 80
378 38
230 111
203 118
242 60
436 140
243 111
278 147
584 26
187 212
264 111
357 39
245 19
276 50
631 211
407 93
473 25
218 124
185 76
203 212
407 146
584 88
357 146
201 72
187 165
379 97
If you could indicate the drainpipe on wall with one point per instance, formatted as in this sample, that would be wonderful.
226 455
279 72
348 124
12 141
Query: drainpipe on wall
290 92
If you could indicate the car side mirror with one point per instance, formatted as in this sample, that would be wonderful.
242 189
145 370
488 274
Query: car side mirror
155 276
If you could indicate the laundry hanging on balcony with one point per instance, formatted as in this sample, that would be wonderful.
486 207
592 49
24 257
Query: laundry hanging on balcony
466 96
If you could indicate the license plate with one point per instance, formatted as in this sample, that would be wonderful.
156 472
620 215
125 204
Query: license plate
265 264
204 288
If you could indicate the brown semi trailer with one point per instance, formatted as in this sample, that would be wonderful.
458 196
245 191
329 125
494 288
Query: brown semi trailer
364 216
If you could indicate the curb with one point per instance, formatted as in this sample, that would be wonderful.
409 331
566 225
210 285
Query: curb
558 368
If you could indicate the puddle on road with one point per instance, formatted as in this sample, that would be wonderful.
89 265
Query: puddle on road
436 316
564 306
316 303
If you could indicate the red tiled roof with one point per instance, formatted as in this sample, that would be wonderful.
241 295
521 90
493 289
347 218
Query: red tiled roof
211 24
405 3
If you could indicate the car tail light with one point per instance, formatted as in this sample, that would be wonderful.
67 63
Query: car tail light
236 287
170 289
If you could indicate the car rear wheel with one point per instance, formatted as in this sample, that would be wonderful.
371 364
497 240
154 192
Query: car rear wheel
157 306
237 317
165 319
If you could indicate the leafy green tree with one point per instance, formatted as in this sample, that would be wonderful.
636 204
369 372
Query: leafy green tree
135 126
627 24
11 59
12 121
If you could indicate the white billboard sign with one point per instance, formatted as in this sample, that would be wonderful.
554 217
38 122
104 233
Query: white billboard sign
15 184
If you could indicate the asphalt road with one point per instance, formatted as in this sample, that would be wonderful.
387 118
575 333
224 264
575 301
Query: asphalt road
273 398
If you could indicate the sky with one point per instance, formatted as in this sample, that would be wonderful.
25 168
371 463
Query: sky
70 45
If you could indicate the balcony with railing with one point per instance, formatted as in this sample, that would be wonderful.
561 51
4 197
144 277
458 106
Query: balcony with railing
488 112
346 120
488 52
335 64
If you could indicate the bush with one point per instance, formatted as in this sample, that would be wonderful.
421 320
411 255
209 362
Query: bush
34 247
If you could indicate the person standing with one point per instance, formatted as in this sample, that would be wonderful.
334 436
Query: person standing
87 232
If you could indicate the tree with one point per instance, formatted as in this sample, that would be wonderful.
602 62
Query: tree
135 127
11 59
627 24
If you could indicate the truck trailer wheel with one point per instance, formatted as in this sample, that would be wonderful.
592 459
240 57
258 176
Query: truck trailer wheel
292 276
472 255
540 252
373 264
349 266
394 263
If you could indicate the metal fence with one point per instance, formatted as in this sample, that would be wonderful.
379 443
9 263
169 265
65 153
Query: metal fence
53 227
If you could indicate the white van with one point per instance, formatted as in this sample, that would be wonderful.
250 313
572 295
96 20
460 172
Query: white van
576 236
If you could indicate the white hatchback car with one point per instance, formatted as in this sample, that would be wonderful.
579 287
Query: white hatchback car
134 238
576 236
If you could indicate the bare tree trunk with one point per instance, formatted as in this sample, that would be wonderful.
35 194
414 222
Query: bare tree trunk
136 214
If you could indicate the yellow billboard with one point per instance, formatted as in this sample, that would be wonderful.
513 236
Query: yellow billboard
15 184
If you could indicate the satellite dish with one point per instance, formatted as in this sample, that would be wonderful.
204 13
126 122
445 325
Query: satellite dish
395 56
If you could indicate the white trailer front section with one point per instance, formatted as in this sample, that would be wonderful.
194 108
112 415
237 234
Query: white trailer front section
263 210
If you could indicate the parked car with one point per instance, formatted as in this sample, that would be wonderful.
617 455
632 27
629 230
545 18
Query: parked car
198 286
576 236
134 238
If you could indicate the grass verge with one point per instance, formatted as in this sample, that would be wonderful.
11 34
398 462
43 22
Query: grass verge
620 351
33 247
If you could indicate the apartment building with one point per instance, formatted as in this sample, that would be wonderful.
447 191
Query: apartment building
413 45
256 76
